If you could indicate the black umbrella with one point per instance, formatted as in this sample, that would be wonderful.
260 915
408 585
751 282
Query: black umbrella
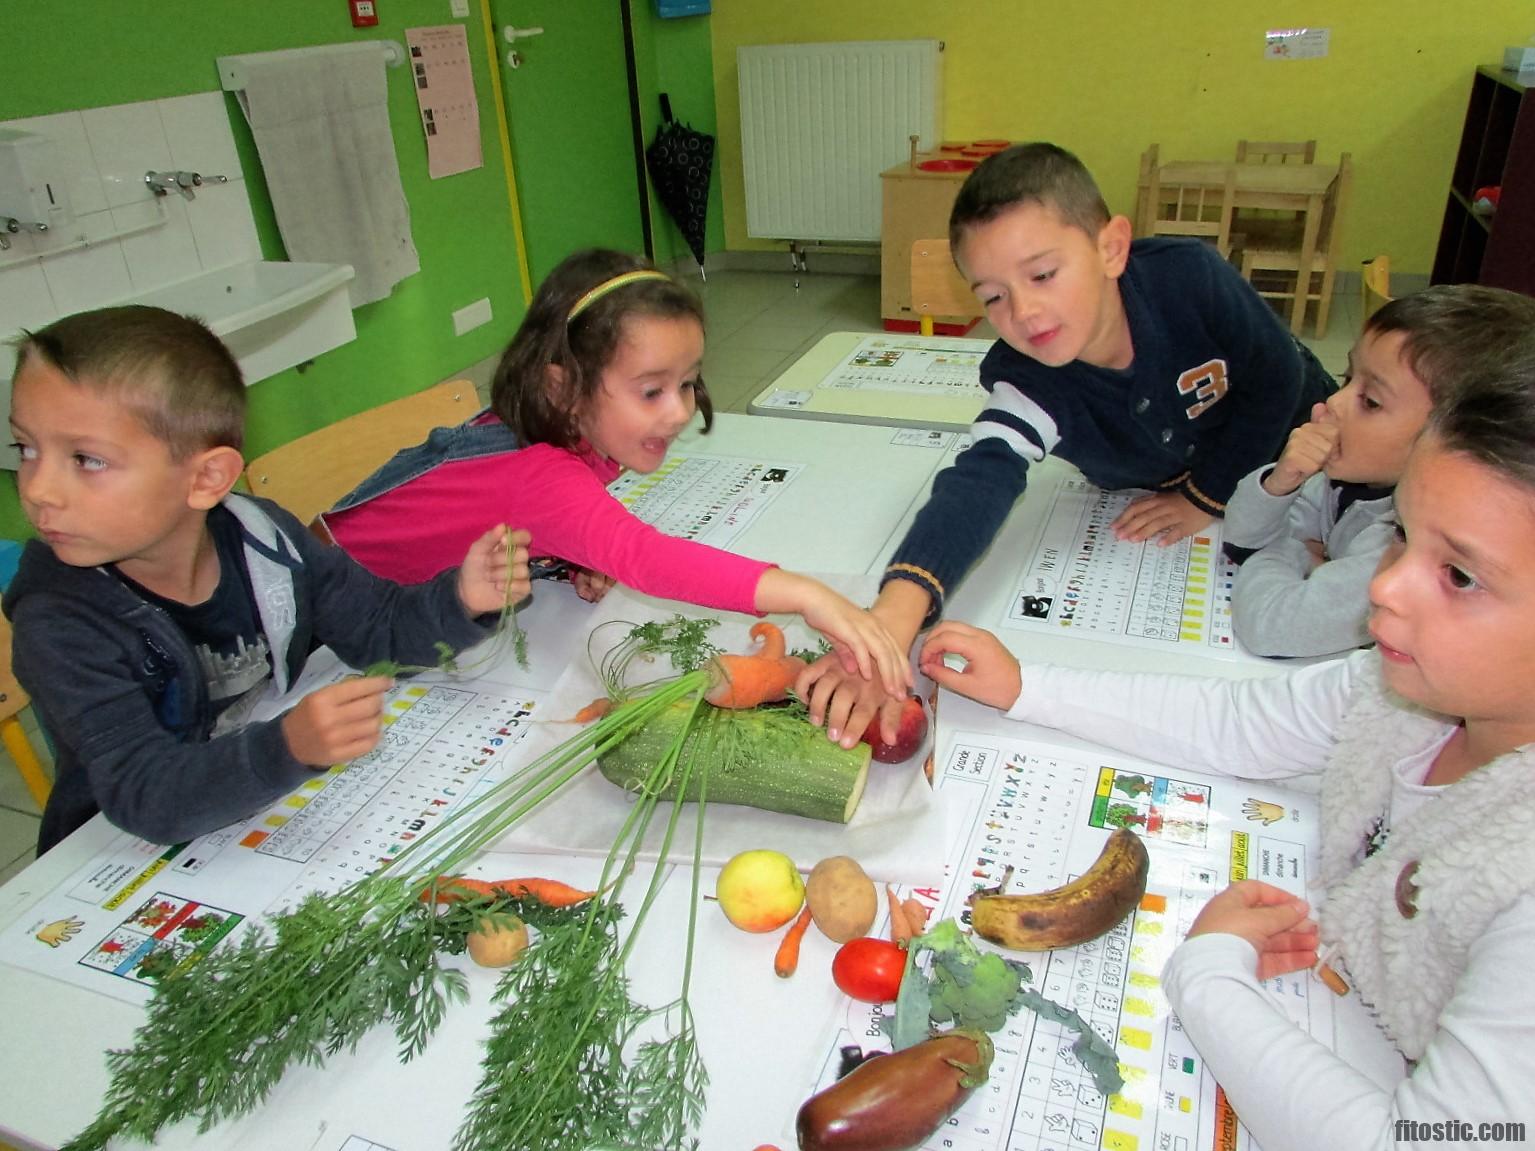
681 162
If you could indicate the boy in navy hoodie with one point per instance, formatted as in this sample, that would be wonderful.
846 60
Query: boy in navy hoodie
1146 364
157 607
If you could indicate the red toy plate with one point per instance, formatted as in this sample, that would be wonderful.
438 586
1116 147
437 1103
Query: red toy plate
946 165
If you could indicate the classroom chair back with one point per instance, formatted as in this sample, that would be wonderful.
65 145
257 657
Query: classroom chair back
310 474
12 700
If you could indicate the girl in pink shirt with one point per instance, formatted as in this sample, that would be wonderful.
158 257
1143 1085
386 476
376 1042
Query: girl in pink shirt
602 375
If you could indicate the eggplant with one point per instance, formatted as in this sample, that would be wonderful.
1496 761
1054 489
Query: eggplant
896 1101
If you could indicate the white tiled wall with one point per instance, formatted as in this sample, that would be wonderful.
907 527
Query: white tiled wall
102 155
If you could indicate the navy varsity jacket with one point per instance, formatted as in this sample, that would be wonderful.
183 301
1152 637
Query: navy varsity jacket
1216 384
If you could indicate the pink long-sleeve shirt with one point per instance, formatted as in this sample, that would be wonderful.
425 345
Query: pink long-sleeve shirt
413 532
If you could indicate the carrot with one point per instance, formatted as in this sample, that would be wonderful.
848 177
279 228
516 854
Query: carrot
916 915
900 925
787 958
771 635
598 708
551 892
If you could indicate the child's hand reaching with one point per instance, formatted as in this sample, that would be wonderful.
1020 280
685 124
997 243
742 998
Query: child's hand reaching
846 702
1273 921
1166 517
591 586
1305 453
990 675
495 571
337 723
862 644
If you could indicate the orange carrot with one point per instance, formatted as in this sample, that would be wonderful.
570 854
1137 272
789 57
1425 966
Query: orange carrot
916 915
553 893
900 925
771 637
598 708
787 958
743 681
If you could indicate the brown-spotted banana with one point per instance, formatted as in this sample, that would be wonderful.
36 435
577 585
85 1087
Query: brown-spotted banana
1087 907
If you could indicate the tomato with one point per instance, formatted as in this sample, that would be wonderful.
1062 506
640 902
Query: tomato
869 969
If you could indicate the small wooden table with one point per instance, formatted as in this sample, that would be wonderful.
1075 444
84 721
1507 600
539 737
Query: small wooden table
1299 188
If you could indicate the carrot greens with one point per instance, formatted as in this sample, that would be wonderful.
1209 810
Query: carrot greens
573 1060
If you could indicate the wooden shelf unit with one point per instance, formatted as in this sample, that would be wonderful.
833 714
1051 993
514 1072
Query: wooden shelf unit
1497 148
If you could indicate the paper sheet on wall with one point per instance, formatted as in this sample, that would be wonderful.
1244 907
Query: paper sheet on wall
139 909
1082 580
1045 810
949 366
450 114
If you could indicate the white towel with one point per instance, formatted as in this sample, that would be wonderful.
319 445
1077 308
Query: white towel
321 123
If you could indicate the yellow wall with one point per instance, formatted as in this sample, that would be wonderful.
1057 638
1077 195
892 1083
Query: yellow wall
1106 79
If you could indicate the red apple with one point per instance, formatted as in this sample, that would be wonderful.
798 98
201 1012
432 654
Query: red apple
910 731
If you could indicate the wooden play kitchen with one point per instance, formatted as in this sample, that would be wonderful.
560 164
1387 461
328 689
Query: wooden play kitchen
918 194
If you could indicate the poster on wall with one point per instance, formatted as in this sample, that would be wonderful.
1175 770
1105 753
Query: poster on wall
450 115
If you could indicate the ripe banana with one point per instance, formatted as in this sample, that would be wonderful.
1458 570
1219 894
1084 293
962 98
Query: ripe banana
1087 907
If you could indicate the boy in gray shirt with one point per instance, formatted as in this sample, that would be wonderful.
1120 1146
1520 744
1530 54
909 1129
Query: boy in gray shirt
1310 529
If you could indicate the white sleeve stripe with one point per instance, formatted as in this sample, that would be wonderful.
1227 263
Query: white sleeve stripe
1017 441
1009 399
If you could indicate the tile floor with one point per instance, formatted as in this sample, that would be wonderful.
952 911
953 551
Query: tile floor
759 324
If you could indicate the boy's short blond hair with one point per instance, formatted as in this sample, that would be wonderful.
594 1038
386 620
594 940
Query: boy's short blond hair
170 370
1039 173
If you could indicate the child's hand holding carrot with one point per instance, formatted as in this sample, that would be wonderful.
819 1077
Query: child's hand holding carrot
338 722
495 571
990 675
1275 922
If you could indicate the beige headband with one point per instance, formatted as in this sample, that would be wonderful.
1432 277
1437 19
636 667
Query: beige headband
616 282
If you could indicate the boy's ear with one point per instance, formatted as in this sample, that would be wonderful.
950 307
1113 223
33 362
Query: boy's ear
214 472
1114 245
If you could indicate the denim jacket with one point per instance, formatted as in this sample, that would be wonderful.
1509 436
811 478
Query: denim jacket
467 441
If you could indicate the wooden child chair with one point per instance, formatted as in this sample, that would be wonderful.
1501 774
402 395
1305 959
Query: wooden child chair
1202 210
937 288
1276 151
1271 260
311 473
12 734
1374 285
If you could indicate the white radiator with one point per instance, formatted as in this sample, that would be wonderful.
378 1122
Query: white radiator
819 122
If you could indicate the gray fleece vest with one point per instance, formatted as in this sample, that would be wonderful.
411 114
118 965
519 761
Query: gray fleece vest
1468 855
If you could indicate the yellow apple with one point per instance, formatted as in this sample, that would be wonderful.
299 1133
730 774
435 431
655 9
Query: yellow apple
760 890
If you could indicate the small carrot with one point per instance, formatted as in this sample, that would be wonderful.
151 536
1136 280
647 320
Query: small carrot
771 637
598 708
551 892
916 915
787 958
900 925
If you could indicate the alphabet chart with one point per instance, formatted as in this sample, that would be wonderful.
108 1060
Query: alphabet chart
921 365
710 499
1080 577
138 909
1045 811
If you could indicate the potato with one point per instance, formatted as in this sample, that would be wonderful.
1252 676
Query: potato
841 898
497 941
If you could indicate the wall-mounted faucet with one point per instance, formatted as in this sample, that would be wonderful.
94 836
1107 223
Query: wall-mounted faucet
183 182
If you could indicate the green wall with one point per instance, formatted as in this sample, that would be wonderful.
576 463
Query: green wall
71 54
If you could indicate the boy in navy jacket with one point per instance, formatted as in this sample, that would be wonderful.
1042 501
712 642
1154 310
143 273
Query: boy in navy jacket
1147 364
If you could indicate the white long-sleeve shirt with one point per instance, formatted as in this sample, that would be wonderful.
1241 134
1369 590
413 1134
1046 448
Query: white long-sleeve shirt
1292 1092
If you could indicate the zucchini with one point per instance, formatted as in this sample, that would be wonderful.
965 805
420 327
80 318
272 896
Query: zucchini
771 759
